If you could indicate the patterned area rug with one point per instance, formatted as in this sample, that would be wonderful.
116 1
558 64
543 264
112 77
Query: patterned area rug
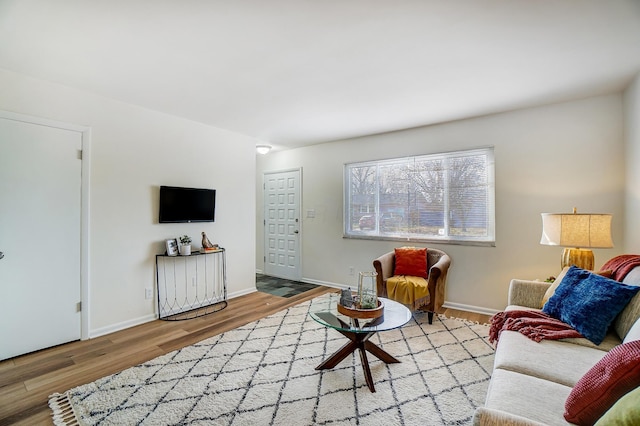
264 374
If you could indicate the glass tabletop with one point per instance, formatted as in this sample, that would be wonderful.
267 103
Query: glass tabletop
325 311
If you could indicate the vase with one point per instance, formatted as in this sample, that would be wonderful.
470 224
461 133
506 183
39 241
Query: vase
368 290
185 250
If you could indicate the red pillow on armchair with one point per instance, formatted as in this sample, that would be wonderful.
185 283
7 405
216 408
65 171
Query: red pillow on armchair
411 261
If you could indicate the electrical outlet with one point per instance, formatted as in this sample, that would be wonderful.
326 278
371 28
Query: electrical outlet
352 271
148 293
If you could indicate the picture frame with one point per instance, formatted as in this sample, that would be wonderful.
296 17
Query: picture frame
172 247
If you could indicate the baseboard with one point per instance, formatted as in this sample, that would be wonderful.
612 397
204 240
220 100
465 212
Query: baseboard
241 293
326 283
469 308
122 325
148 318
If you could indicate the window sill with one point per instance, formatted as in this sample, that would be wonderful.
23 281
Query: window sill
447 241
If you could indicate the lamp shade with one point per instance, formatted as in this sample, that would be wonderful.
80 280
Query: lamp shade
586 230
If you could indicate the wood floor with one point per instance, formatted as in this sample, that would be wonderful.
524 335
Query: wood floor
28 380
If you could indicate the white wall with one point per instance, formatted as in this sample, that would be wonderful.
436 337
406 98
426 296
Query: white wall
632 139
134 151
548 159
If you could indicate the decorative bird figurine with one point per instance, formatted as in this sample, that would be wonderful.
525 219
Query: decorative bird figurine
205 241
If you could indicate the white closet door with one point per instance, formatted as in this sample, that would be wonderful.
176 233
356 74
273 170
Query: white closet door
40 236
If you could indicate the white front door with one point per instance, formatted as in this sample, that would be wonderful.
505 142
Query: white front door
282 224
40 236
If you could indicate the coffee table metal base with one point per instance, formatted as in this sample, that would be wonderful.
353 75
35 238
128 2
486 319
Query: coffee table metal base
361 342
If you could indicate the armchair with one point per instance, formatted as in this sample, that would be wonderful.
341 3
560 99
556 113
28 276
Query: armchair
437 267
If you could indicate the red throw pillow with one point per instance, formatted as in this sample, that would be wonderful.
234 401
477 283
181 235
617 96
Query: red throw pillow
411 261
617 373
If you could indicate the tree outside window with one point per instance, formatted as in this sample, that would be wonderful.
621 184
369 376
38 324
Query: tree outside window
446 197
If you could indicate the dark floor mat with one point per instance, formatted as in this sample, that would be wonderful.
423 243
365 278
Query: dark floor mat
281 287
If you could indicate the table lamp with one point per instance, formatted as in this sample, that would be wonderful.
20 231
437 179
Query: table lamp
577 232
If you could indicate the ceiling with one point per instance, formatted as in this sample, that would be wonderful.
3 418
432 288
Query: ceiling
300 72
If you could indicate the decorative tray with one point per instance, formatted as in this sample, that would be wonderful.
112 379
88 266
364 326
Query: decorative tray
362 313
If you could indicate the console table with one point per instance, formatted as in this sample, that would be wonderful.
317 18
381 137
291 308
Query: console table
191 286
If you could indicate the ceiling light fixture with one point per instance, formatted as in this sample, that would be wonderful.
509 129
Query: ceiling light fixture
263 149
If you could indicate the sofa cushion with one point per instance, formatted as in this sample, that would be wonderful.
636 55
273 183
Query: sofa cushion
629 315
625 412
611 340
633 277
622 265
411 261
511 392
550 359
588 302
631 312
552 289
634 333
617 373
488 417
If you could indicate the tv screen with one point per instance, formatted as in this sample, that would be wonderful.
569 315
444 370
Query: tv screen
178 205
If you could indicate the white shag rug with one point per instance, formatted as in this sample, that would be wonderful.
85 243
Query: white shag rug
264 374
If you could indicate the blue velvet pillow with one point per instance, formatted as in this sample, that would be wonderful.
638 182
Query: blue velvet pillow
588 302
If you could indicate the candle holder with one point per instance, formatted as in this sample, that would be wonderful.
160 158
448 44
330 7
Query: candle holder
367 290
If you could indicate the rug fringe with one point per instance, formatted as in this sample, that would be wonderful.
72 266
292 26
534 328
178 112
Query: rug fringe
63 412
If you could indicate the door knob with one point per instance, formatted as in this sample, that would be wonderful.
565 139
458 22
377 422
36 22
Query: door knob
295 232
1 255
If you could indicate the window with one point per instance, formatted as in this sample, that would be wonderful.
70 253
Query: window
446 197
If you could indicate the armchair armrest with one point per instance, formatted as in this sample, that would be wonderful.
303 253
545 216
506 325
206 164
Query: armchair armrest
384 267
437 279
527 293
440 267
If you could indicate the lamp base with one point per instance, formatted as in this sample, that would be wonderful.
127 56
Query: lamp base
582 258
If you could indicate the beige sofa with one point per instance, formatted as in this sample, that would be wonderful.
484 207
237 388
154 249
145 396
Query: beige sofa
531 381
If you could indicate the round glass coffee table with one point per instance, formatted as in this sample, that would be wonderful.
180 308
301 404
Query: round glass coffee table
325 311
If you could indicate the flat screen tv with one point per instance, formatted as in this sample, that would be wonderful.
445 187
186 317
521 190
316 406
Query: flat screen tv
180 205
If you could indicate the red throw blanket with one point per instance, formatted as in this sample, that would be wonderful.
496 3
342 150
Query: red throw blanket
533 324
621 265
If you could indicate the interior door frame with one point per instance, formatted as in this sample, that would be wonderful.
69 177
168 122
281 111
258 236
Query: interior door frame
264 229
85 133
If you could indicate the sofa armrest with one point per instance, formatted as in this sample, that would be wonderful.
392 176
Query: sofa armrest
527 293
490 417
